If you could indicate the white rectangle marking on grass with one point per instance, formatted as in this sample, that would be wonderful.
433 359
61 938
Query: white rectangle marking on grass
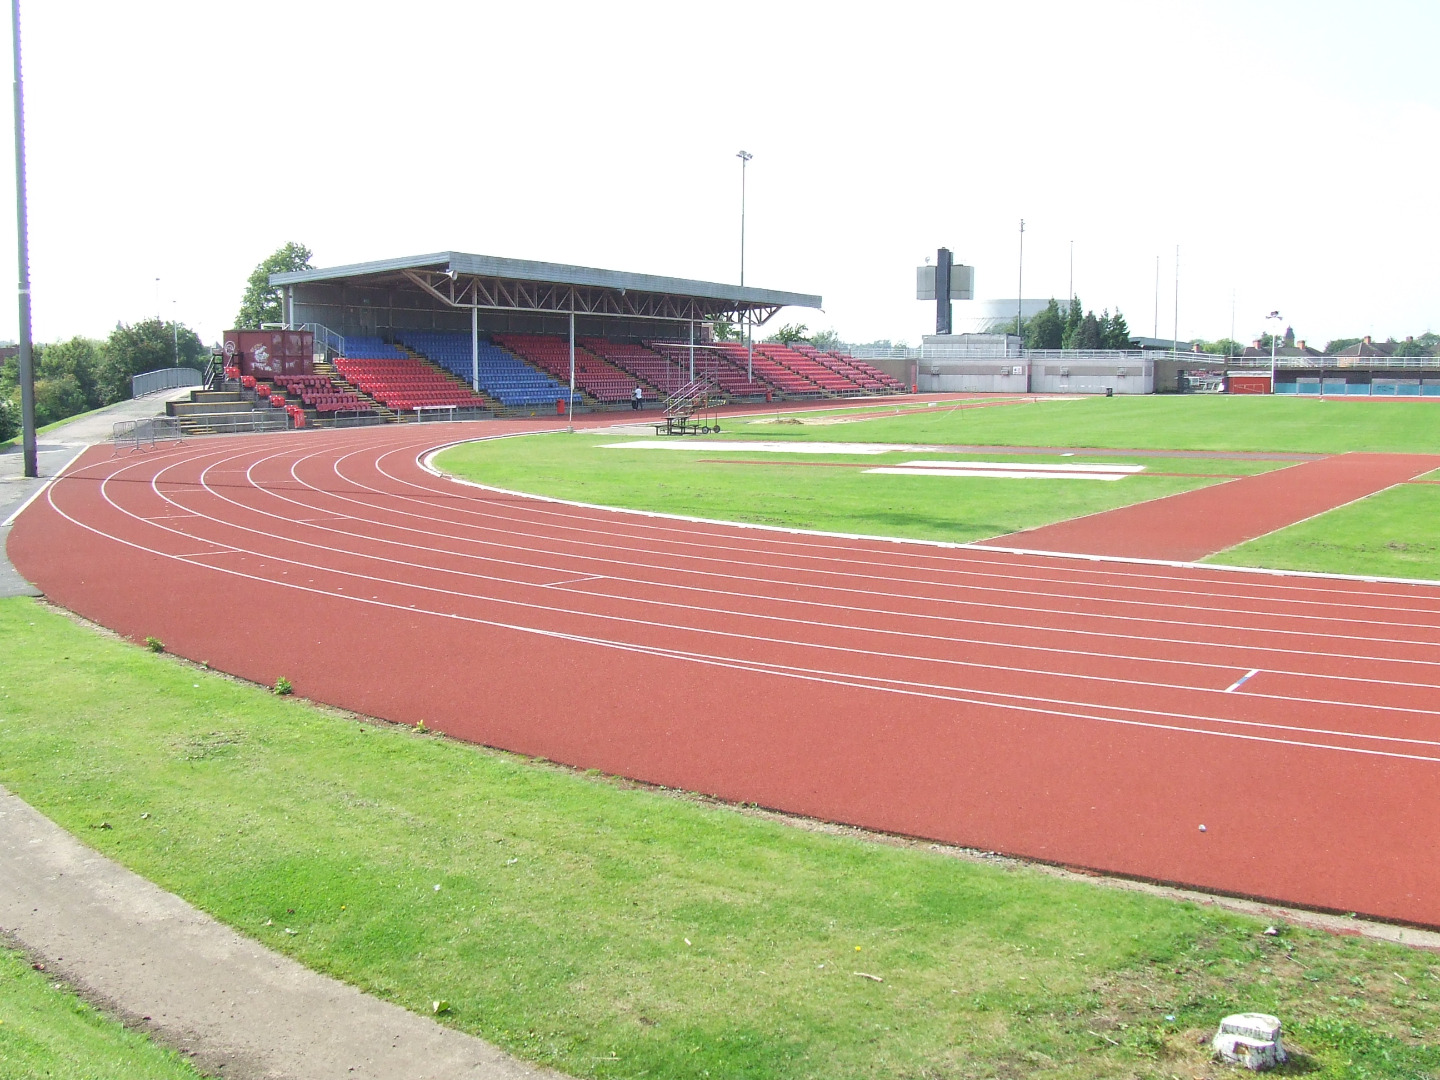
742 447
1027 466
996 474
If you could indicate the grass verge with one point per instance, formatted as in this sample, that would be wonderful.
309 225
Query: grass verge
616 932
1161 422
830 492
47 1031
1393 533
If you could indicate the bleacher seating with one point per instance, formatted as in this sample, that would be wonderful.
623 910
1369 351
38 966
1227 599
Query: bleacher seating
809 369
659 371
597 377
771 371
504 376
403 383
718 364
322 395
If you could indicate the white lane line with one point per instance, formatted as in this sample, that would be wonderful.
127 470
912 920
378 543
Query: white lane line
752 667
1242 680
650 624
572 581
1026 466
207 554
42 488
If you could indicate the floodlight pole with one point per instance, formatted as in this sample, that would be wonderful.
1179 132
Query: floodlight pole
1175 341
27 369
175 329
1273 315
1020 292
744 156
570 401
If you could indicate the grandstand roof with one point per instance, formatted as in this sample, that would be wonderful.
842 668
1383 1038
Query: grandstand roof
490 282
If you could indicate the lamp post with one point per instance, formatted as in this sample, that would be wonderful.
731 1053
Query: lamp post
745 156
1276 316
26 359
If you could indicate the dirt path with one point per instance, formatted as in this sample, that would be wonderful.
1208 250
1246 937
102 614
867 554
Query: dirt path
1194 524
236 1008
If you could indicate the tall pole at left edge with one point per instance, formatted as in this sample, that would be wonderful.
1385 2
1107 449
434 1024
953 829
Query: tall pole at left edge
27 368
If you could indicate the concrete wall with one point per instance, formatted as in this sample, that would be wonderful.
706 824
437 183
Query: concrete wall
1081 377
998 376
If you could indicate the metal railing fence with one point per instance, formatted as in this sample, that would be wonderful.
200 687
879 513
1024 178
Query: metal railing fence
143 434
152 382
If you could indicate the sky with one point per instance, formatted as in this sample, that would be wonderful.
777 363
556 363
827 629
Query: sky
1288 150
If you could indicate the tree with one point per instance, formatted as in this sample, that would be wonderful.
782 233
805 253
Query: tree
789 334
724 330
1046 330
1333 346
827 341
261 304
1074 316
1114 331
1088 336
146 346
1223 347
78 362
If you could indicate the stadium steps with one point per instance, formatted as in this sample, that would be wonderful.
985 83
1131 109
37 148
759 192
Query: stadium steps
326 368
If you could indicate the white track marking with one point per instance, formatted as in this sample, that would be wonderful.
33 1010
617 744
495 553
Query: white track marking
43 487
1242 680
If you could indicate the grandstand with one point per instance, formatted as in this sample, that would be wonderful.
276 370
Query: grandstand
407 331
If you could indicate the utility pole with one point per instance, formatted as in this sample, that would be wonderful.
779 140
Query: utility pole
1175 343
1020 290
27 366
1156 331
745 157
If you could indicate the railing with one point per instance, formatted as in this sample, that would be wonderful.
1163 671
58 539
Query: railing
688 399
429 414
325 337
143 434
879 352
152 382
229 423
1336 363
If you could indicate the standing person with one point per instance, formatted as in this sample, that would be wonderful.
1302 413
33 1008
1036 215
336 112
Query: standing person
635 399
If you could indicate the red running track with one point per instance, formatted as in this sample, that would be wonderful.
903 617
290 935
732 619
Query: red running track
1088 714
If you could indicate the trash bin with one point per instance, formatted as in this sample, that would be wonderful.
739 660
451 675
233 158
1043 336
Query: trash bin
560 406
1109 391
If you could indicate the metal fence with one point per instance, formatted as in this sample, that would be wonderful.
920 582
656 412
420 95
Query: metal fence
228 423
429 414
143 434
1338 363
152 382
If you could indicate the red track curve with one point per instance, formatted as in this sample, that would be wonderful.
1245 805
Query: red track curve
1077 712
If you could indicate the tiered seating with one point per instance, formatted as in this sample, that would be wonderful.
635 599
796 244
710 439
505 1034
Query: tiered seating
870 371
808 368
777 374
662 372
404 383
714 362
599 378
839 367
319 393
511 381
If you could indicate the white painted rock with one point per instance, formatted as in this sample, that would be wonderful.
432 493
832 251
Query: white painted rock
1250 1039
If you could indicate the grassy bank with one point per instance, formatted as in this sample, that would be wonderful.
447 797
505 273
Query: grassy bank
46 1031
615 932
831 492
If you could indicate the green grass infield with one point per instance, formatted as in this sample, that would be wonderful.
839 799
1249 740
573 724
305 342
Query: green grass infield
829 492
613 931
1149 422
